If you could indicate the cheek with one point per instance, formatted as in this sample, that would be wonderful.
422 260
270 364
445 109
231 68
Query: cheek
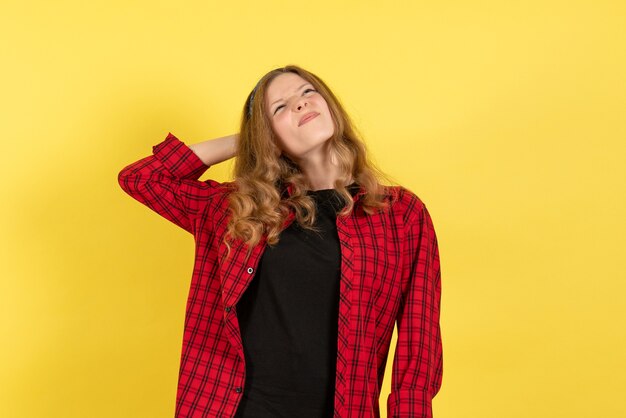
281 131
281 125
323 104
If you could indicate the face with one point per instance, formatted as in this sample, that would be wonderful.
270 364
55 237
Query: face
288 99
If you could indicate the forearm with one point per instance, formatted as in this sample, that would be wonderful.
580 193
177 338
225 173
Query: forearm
214 151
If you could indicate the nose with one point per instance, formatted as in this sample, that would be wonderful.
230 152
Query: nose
301 103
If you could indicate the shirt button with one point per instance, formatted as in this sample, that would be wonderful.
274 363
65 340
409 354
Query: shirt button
250 270
228 309
238 389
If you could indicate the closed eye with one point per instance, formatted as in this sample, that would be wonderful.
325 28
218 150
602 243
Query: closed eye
303 93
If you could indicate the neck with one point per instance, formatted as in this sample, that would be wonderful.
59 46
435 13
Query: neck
319 168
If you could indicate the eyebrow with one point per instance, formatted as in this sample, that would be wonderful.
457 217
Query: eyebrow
294 92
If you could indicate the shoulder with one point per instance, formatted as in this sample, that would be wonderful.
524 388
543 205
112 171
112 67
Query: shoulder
405 203
210 188
216 192
220 187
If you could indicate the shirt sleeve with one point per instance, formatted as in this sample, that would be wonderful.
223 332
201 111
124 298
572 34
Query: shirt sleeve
418 360
167 182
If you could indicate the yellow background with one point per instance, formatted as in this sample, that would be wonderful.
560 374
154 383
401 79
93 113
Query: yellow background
506 118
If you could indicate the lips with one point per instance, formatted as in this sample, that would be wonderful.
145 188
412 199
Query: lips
307 117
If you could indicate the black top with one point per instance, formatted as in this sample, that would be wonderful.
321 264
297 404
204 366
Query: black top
288 318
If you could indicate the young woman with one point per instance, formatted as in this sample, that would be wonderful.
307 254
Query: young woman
303 264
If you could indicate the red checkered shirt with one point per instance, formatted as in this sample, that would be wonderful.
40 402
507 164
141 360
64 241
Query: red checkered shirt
389 272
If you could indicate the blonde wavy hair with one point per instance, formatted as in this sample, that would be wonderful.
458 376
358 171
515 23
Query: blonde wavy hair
258 204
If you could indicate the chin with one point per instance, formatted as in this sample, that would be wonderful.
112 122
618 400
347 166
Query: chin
323 135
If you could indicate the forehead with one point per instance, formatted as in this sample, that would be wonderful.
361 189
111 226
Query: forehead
282 86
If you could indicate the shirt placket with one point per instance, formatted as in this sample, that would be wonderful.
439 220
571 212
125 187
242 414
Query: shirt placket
345 306
235 281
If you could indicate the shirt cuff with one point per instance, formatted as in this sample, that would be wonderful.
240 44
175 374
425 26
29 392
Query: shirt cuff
178 158
409 403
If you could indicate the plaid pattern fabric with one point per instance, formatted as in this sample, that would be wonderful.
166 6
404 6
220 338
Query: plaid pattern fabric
389 272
